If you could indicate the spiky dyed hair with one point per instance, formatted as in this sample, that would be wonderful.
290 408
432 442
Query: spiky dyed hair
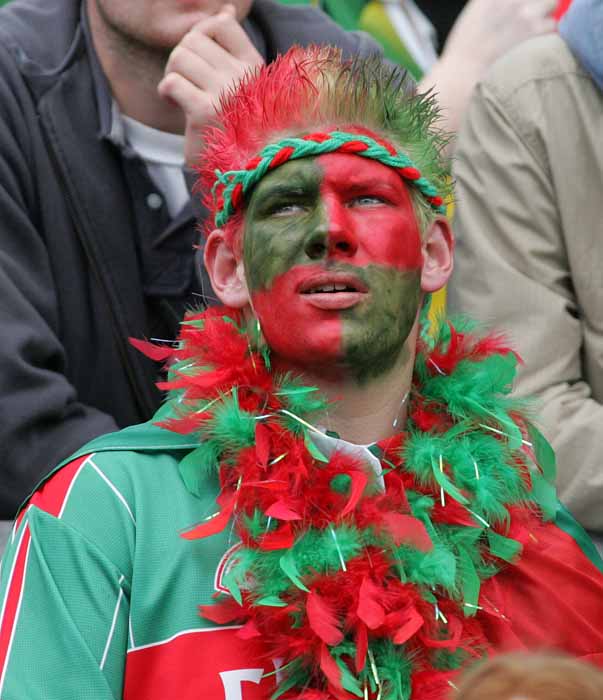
312 88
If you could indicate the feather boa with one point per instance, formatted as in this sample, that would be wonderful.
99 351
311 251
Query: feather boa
360 592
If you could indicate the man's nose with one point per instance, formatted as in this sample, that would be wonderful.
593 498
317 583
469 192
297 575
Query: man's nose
335 237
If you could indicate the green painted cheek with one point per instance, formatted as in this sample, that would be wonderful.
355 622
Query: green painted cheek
273 244
272 247
374 333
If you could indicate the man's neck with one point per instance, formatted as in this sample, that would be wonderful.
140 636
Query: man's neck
370 411
133 72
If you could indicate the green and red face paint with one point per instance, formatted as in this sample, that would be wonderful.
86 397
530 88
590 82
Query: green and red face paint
332 255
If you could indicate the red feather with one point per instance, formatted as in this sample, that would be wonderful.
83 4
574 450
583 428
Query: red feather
412 625
359 482
405 529
361 647
279 539
274 485
262 444
330 668
216 524
210 380
184 425
369 610
454 629
281 511
322 619
154 352
222 612
249 631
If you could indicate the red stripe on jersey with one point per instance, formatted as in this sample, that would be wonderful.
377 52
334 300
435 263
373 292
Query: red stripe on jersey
12 601
214 664
51 495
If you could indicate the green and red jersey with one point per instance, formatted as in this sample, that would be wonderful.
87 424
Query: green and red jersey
99 593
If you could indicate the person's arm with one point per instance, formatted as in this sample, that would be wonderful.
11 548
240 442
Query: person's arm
484 31
512 272
41 419
64 603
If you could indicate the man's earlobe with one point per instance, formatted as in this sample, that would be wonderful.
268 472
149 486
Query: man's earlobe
438 245
226 271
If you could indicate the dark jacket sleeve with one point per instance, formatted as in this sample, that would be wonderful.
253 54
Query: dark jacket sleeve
41 420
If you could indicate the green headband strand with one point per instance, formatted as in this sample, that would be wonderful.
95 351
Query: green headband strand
236 183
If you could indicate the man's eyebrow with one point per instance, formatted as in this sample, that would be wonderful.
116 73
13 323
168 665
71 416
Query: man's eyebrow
296 185
371 184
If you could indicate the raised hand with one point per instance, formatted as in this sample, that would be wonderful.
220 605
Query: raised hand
215 53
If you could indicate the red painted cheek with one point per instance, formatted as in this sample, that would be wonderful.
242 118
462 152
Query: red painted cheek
384 235
296 332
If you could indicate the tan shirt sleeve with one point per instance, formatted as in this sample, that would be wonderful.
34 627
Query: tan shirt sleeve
513 272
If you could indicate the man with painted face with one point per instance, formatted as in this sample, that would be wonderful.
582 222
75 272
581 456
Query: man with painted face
337 501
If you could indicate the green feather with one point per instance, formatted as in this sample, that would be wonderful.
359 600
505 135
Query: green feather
230 583
544 495
434 568
394 669
287 564
199 465
313 449
348 681
300 399
271 601
445 483
544 453
232 426
469 582
503 547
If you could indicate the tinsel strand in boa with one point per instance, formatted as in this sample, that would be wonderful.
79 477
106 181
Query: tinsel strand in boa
359 592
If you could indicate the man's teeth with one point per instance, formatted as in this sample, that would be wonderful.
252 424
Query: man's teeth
331 288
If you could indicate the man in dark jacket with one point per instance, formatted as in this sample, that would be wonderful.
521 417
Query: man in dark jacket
96 227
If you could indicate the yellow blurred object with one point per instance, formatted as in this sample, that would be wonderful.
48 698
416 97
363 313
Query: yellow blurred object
374 20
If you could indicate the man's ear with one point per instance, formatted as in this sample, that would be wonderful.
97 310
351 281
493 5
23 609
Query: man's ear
438 244
226 271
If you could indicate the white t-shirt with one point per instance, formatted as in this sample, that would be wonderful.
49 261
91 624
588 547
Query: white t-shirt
328 445
163 154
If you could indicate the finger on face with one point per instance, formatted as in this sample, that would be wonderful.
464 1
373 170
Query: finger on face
191 100
225 31
195 67
208 49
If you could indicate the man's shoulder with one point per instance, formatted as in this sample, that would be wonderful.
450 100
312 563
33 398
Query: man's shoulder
121 482
129 461
299 24
533 66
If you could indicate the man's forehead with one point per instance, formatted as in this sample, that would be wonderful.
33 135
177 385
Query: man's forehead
352 171
303 173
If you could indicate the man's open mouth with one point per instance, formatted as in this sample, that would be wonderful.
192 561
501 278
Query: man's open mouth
333 291
330 288
332 283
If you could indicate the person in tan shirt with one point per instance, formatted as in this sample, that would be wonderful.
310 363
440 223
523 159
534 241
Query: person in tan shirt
529 170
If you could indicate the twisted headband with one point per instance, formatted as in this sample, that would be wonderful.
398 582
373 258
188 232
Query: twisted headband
231 186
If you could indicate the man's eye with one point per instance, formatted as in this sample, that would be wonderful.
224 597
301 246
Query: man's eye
289 209
367 200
